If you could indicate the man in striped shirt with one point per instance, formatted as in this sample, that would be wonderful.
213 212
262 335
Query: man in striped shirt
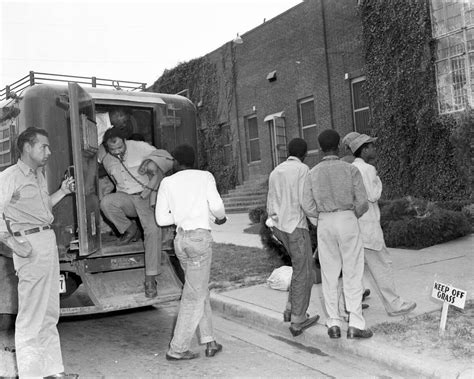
335 193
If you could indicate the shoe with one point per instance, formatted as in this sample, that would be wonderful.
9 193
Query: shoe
365 294
213 348
353 332
150 286
130 235
297 328
287 315
406 307
334 332
186 356
365 306
62 375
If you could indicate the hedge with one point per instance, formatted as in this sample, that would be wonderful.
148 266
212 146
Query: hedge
406 223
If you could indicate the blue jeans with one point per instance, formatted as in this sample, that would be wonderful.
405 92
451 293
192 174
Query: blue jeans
194 251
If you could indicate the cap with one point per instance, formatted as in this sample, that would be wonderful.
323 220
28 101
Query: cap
359 141
349 137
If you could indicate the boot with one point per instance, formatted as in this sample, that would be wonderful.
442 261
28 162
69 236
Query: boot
150 286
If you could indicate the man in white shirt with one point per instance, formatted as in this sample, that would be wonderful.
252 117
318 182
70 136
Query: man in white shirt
122 159
286 215
188 199
377 257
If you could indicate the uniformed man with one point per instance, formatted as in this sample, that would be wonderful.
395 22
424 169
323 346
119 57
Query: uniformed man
25 226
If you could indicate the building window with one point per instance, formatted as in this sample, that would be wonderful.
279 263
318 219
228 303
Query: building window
307 119
226 145
253 140
5 145
360 106
453 29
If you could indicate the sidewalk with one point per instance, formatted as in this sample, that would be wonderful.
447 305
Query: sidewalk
415 272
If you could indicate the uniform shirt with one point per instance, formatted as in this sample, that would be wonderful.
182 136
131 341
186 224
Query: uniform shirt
285 195
332 186
369 223
135 154
188 199
24 198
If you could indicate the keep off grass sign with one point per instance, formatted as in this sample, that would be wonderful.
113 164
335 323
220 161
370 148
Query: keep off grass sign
450 296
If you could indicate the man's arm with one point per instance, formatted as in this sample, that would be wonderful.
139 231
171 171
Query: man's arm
68 186
6 191
361 205
216 205
372 183
307 200
163 213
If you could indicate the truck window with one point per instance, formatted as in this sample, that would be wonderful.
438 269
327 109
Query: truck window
136 122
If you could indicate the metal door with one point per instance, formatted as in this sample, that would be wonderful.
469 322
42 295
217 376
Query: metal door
84 152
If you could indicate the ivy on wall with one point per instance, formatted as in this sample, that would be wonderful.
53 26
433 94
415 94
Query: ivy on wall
199 76
420 153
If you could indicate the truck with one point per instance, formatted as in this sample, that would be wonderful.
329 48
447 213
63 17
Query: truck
96 275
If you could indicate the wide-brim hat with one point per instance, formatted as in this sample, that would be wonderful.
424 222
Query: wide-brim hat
359 141
349 137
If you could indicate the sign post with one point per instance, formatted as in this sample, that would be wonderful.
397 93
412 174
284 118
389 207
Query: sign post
450 296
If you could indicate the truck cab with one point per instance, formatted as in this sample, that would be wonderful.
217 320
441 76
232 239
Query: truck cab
96 274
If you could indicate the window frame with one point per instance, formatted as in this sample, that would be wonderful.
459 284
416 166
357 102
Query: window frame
250 140
358 110
300 117
454 81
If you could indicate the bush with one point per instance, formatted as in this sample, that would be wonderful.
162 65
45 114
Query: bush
255 214
415 223
407 222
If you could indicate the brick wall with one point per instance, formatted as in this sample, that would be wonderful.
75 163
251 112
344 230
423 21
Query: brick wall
311 47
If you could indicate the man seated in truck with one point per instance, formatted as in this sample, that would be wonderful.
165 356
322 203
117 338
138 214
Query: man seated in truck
121 159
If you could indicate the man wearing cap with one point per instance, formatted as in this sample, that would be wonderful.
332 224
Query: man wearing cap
288 221
377 257
25 226
335 193
122 160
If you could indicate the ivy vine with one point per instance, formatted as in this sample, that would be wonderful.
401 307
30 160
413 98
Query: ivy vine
420 153
200 78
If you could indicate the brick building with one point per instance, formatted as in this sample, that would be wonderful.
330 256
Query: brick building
293 76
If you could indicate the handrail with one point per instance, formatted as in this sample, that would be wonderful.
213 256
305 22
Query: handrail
40 77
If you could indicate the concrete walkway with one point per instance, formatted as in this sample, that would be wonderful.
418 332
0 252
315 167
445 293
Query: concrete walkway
415 272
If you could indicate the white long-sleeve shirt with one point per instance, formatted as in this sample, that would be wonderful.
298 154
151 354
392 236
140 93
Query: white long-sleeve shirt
369 223
189 199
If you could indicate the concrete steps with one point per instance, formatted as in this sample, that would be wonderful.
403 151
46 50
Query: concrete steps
246 196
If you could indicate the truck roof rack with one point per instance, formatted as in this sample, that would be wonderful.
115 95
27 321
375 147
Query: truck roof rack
41 77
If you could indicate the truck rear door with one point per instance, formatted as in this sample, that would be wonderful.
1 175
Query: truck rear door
84 152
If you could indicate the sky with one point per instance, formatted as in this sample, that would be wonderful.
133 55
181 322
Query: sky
122 40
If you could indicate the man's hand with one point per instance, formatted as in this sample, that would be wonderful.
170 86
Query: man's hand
220 221
68 185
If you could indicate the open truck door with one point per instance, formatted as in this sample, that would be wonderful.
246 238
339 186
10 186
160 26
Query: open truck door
84 153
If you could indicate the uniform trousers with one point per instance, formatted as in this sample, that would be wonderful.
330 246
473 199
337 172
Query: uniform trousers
38 350
298 245
194 251
119 206
340 247
379 265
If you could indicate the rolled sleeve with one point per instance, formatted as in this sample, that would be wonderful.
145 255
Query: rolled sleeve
216 205
163 213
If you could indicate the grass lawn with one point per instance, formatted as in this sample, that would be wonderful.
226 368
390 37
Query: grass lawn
420 333
237 265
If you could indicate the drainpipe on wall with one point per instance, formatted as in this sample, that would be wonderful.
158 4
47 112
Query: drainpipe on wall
326 56
236 103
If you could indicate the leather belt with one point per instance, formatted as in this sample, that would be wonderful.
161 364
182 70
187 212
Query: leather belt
31 231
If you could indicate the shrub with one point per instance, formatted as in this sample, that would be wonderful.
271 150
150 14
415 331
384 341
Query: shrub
255 214
416 223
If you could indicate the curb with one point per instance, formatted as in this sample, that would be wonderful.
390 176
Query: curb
375 349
